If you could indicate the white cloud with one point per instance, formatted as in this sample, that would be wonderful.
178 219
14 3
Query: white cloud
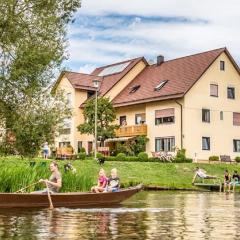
99 39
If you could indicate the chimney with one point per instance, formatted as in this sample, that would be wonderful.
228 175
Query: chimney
160 60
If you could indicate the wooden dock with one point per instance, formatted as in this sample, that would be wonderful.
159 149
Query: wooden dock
210 186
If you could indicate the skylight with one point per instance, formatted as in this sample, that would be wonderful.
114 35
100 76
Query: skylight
113 69
160 85
134 88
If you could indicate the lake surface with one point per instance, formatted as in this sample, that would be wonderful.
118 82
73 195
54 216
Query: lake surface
147 215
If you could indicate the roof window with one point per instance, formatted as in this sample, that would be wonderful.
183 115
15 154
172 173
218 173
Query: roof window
134 88
160 85
113 69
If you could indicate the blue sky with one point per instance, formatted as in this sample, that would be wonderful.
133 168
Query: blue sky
108 31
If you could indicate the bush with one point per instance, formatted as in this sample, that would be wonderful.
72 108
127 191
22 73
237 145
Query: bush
82 150
121 157
182 160
153 159
82 155
101 157
143 157
237 159
213 158
123 148
110 158
132 159
181 157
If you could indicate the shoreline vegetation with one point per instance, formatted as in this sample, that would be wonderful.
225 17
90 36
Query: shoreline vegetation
17 173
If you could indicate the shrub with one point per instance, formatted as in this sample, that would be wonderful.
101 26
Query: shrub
237 159
182 160
153 159
82 155
143 157
82 150
213 158
132 159
181 157
123 148
121 157
110 158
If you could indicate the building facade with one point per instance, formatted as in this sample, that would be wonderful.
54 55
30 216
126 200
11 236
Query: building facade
191 102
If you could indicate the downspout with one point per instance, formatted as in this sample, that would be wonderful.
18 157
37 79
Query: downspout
181 107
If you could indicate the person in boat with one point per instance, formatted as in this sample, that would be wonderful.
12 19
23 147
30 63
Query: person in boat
102 182
227 180
235 180
201 174
113 182
55 181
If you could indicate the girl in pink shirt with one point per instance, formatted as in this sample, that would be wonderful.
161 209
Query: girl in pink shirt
102 182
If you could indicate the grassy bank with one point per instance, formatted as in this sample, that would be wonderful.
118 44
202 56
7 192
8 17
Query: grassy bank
16 173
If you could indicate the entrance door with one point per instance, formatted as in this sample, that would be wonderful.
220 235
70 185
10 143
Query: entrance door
90 147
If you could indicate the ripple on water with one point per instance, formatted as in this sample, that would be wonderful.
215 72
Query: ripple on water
148 215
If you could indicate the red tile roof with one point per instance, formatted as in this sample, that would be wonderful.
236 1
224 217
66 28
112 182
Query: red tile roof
181 74
80 80
85 81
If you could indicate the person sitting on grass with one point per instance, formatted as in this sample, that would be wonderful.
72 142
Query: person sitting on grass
102 182
113 181
235 180
201 174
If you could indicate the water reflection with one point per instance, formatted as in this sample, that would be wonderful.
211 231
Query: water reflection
148 215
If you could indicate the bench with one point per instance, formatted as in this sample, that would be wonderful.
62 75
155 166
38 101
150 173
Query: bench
104 150
65 153
226 159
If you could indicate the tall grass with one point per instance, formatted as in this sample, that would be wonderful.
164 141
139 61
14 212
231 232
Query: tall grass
15 175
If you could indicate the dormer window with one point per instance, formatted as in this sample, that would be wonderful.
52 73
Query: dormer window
134 88
160 85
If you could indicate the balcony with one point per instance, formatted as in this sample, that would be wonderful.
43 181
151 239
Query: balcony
131 131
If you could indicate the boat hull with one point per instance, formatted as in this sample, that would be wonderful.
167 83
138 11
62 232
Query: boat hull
77 199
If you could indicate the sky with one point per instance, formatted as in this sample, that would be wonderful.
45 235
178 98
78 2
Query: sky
109 31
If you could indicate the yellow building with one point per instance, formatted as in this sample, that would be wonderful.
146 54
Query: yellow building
191 102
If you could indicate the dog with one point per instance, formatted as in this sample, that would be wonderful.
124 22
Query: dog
101 161
69 167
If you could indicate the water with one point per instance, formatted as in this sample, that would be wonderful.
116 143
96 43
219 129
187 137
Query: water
147 215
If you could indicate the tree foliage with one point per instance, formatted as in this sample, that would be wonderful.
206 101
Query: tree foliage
32 48
106 115
34 122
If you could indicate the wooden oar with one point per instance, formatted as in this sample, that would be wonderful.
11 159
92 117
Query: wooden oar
20 190
49 198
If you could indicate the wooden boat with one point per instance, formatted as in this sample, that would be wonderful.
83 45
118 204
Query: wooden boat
73 199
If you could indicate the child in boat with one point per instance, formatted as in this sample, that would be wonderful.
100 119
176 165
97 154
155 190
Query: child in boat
102 182
113 181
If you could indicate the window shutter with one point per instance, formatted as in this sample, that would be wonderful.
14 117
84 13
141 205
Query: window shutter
236 119
214 90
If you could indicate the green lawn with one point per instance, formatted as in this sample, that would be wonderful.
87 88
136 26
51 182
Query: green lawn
16 173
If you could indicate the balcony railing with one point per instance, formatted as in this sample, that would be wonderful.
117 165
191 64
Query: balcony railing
133 130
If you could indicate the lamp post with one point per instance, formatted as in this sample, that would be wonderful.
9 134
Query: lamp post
96 85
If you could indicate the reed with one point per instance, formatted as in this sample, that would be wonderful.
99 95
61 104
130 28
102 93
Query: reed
15 175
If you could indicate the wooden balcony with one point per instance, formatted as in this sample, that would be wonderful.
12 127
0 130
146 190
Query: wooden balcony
131 131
